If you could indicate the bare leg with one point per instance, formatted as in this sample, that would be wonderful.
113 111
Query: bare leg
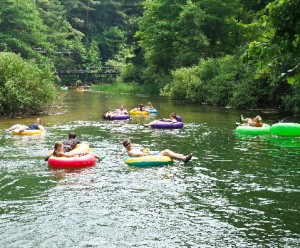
177 156
13 127
151 123
244 119
17 128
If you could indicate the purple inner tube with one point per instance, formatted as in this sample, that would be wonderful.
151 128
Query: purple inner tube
178 118
168 125
116 117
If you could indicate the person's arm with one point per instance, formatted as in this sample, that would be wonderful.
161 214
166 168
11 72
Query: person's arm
93 154
163 119
167 120
42 128
70 154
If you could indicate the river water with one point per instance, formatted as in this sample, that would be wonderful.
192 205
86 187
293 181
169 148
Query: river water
237 191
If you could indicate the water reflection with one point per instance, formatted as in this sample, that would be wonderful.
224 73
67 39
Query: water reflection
64 173
288 142
118 122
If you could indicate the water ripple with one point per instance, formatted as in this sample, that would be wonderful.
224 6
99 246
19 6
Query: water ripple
236 192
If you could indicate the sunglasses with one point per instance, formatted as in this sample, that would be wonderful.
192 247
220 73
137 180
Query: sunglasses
127 144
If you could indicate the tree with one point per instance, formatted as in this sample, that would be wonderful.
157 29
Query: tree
170 34
22 29
277 51
25 89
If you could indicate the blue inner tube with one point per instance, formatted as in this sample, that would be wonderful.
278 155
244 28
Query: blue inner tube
167 125
151 110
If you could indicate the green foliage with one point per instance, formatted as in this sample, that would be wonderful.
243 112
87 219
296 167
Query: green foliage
220 81
55 16
113 39
78 15
120 58
244 95
130 73
209 82
170 34
223 73
193 48
130 88
22 29
93 55
223 26
175 34
25 89
292 102
85 56
248 93
188 45
20 19
277 51
227 79
113 25
186 84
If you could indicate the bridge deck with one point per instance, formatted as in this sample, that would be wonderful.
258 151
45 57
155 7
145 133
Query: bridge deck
101 71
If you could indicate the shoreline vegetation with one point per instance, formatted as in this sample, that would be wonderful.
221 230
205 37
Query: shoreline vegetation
135 88
250 60
126 88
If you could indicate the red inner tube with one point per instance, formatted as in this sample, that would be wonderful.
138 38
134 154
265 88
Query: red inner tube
72 162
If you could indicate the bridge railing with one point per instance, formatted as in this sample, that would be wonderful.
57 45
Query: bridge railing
100 70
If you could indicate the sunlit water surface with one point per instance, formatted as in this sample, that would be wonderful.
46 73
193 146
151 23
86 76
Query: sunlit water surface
238 191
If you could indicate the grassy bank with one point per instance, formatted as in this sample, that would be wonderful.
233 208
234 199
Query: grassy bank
130 88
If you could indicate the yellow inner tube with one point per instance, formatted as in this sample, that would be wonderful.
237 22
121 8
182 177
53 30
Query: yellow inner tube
28 132
138 112
79 148
151 160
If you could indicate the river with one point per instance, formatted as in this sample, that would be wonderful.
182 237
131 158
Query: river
237 191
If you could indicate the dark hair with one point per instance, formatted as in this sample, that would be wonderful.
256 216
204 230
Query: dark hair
56 145
126 142
72 135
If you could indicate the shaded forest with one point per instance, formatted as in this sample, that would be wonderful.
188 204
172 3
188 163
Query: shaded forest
238 53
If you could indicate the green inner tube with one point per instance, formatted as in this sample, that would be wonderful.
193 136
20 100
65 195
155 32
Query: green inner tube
265 129
285 129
